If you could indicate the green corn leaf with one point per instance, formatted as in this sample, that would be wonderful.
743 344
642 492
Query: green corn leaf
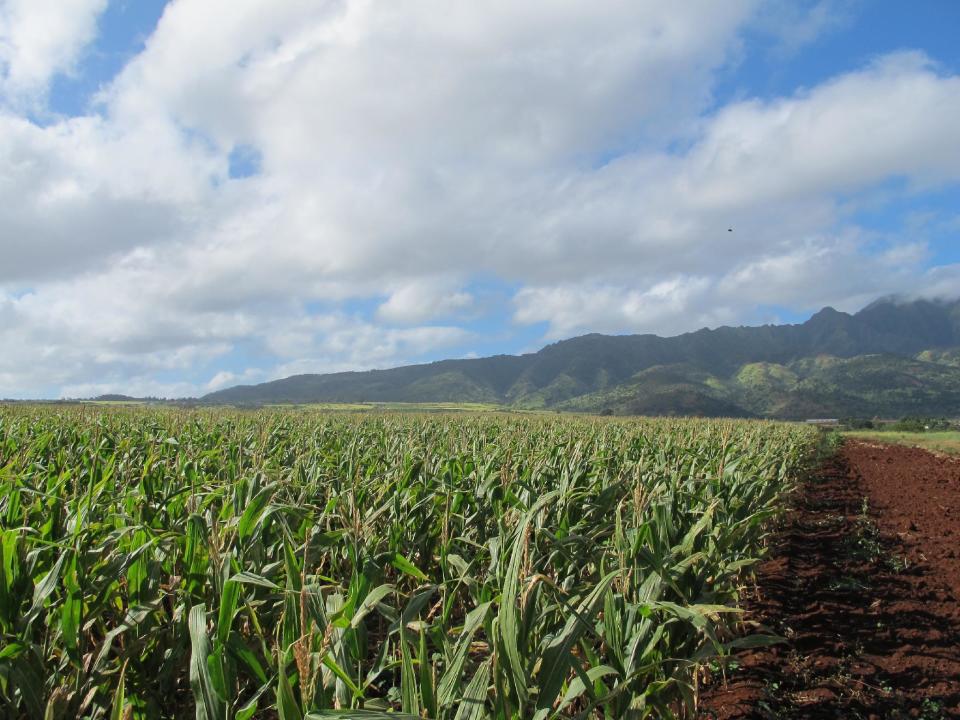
473 705
509 627
409 699
228 610
359 714
249 708
416 604
405 566
578 688
44 589
287 706
240 652
370 602
70 611
209 705
12 650
427 680
557 657
119 695
251 514
249 578
450 680
337 670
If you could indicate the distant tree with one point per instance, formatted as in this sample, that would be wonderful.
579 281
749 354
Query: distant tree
606 412
909 423
913 423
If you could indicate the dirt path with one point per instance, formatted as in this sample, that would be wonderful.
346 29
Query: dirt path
865 584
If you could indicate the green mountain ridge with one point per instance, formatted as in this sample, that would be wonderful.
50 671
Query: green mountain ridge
891 358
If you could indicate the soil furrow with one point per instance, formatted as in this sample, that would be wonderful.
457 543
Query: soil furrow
863 583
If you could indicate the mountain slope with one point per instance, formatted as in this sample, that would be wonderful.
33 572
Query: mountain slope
773 370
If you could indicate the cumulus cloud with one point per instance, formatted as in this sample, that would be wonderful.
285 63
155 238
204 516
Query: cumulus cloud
891 119
818 271
780 174
573 308
40 38
334 343
80 191
410 152
423 299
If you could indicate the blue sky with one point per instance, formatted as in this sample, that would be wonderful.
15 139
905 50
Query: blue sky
201 193
123 29
852 34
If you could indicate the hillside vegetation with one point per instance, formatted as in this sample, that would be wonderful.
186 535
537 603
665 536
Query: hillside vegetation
891 358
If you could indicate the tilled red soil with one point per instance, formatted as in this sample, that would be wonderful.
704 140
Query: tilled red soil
864 584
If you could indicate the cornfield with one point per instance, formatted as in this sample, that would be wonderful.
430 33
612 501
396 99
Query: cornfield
227 565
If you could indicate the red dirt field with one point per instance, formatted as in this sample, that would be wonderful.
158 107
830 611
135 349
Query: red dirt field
863 581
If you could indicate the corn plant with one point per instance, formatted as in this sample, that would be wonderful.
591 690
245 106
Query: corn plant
224 565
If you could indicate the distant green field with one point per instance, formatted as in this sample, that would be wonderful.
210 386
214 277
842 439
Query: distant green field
401 406
350 406
945 442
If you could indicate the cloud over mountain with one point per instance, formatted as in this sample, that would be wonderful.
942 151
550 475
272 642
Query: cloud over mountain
430 175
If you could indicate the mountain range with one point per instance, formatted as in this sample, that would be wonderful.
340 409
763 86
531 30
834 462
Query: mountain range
890 359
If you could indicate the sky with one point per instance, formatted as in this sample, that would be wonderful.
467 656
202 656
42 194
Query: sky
201 193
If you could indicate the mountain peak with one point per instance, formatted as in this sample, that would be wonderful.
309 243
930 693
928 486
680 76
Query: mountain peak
596 370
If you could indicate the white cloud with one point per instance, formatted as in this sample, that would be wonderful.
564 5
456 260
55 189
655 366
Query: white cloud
334 342
938 282
410 151
82 190
778 174
362 84
228 378
836 271
590 307
115 332
40 38
892 119
139 386
422 300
